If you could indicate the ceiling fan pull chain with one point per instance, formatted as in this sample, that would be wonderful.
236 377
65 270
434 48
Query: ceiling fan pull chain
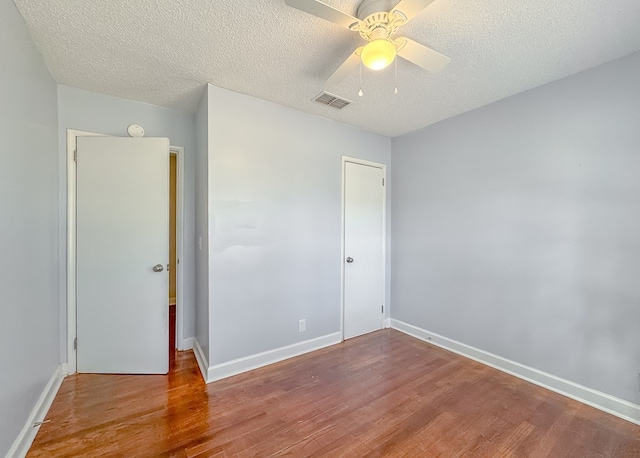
360 91
396 71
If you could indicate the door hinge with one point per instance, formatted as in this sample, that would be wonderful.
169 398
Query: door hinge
383 309
383 182
75 155
75 343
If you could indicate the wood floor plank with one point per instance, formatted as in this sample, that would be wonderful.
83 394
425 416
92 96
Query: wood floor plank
382 394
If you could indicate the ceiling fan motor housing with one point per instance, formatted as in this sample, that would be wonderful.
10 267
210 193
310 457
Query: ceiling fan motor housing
376 21
369 7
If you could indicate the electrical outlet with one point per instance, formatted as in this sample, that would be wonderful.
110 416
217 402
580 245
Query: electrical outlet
302 325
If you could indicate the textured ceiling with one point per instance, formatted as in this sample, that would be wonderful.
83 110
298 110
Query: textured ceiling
163 52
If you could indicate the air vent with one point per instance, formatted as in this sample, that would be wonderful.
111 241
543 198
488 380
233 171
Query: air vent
332 100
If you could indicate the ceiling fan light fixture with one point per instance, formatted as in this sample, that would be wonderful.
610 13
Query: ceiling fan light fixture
378 54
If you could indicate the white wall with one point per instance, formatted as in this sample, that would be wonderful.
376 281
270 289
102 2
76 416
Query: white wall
516 228
93 112
202 227
28 226
275 222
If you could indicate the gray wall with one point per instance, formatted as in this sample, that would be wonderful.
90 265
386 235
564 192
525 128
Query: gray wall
275 222
517 228
202 226
28 227
93 112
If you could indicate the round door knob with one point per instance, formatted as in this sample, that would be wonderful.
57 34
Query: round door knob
349 260
158 268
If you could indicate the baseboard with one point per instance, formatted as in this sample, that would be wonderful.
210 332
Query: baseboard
387 323
200 358
24 440
602 401
187 344
64 367
237 366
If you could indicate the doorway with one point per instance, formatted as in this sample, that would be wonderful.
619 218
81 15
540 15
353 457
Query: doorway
363 241
177 153
173 284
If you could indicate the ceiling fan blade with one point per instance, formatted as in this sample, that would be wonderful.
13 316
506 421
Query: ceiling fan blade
410 8
324 11
422 56
347 67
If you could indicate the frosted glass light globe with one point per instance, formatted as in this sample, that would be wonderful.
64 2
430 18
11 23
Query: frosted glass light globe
378 54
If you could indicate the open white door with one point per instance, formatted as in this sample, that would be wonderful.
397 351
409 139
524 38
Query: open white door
122 255
363 249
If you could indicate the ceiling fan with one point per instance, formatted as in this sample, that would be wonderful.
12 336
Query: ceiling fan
377 23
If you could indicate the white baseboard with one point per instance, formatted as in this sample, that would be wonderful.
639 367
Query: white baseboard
247 363
203 364
64 367
187 344
602 401
24 440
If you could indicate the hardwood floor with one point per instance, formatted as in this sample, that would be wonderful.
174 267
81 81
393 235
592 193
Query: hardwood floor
383 394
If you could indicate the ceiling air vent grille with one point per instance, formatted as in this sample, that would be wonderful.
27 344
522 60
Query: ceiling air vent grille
332 100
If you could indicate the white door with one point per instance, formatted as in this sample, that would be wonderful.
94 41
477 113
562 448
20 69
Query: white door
122 255
363 249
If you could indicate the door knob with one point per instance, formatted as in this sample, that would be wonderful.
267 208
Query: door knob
349 260
158 268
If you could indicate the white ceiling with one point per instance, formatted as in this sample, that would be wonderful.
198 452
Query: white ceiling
163 52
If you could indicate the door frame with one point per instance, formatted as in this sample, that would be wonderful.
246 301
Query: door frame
353 160
72 134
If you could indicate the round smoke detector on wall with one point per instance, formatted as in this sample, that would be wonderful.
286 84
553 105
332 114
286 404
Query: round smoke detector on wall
135 130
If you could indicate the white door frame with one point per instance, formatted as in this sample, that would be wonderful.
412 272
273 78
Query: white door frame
72 134
354 160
